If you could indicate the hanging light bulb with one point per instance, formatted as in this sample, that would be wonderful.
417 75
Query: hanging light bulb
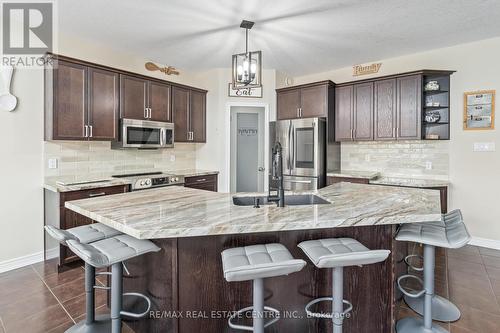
247 67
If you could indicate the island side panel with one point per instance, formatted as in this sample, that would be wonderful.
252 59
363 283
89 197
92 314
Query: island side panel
154 275
202 287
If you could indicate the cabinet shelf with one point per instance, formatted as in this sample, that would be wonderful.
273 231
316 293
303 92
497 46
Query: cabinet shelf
435 92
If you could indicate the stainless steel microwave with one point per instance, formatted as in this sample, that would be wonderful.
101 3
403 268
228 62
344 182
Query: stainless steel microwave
145 134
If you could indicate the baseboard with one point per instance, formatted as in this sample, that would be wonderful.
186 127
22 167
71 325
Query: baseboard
30 259
485 242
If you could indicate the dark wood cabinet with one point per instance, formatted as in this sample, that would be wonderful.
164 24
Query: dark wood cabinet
103 104
305 101
385 110
159 101
133 97
143 99
206 182
66 101
197 116
288 104
390 108
344 110
58 215
81 102
363 112
333 180
409 107
189 111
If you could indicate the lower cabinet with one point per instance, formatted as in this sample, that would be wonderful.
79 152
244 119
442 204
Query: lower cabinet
207 182
57 215
333 180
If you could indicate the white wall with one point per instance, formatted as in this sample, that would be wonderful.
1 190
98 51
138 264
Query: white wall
214 154
21 149
475 177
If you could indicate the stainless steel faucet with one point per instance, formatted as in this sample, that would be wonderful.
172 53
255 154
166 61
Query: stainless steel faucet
277 175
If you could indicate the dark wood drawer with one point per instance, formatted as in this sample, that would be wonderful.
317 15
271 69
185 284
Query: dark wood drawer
200 179
204 186
96 192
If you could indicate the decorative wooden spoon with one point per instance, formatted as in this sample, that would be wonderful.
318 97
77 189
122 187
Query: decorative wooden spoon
169 70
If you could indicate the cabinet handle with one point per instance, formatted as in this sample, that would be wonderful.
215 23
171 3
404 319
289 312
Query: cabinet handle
150 112
100 194
201 180
393 132
146 113
352 136
86 131
91 131
300 112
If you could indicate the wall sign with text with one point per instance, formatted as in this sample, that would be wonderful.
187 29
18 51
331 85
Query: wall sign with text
358 70
244 92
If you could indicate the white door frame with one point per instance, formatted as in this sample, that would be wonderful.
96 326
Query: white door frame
227 126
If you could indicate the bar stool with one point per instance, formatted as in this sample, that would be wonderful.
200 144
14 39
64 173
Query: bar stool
338 253
113 252
257 262
442 309
87 234
451 236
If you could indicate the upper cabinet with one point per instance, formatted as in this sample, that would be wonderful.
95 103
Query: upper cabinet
85 101
305 101
189 110
81 102
392 108
143 99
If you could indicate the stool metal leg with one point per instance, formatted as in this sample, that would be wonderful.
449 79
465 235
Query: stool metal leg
338 299
417 325
116 297
258 306
91 324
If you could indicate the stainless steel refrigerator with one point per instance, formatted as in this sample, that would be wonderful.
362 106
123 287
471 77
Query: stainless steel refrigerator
304 152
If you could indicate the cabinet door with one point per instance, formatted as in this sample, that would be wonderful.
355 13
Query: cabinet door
363 112
385 110
409 107
103 104
343 113
314 101
288 104
133 97
159 101
70 101
197 115
180 109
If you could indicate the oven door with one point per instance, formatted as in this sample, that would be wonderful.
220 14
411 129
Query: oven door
146 134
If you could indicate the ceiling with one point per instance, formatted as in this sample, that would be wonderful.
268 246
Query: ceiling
296 36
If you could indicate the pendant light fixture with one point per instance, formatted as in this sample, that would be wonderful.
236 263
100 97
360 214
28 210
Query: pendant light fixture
247 67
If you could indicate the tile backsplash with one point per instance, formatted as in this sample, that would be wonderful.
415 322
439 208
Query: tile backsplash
398 158
97 159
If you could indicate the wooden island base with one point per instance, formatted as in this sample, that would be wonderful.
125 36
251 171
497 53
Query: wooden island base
186 284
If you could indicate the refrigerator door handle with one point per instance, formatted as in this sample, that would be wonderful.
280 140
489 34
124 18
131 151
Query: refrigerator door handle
293 148
289 164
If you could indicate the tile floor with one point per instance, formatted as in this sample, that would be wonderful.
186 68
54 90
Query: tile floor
36 299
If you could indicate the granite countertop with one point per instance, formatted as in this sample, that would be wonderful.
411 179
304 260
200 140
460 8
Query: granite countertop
409 182
174 211
355 174
68 184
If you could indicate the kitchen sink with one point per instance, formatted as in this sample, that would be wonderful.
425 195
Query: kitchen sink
290 200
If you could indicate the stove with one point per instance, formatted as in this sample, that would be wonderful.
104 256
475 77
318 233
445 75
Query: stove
142 181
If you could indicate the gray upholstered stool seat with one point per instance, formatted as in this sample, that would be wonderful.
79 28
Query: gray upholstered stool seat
83 234
112 252
109 251
257 262
87 234
451 233
338 253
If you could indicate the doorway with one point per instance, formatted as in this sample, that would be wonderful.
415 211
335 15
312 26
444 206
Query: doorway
248 148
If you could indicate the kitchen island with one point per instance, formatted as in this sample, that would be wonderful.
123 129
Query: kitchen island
185 280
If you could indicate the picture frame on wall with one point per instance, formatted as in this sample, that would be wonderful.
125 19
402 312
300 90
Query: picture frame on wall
479 110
